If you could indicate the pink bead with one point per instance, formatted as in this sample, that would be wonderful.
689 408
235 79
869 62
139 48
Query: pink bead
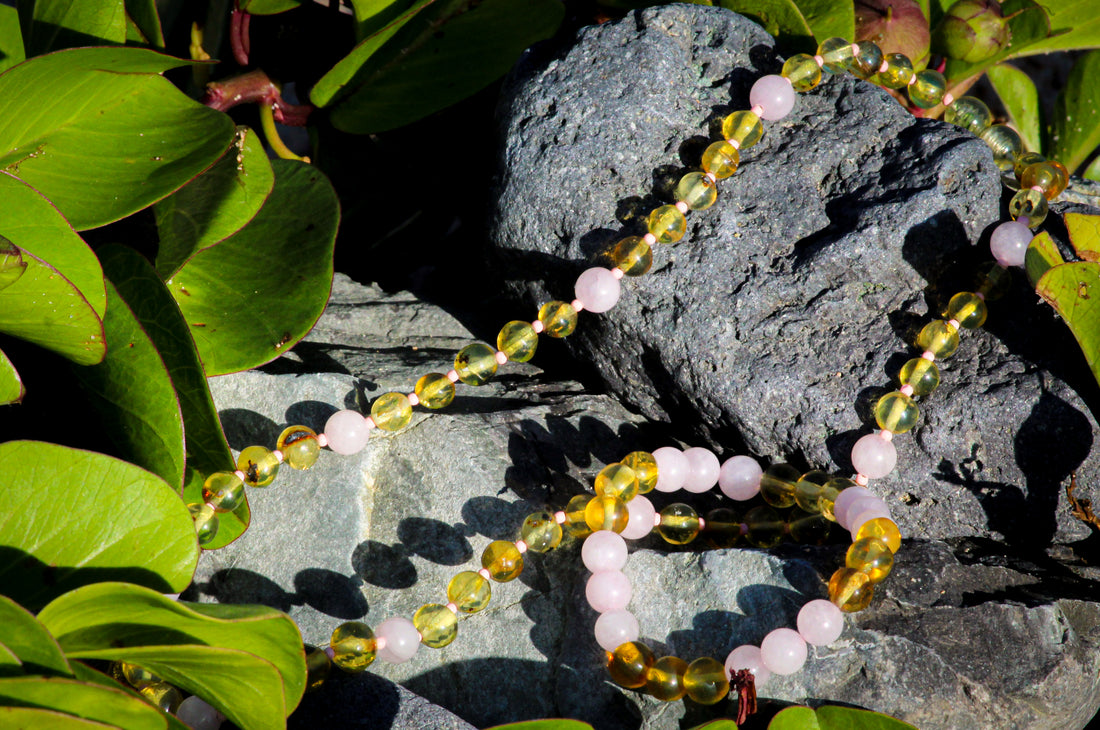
703 468
615 628
874 456
845 500
1009 243
863 511
402 640
198 715
672 468
604 550
783 651
774 94
598 289
739 477
748 657
640 523
608 590
820 622
346 432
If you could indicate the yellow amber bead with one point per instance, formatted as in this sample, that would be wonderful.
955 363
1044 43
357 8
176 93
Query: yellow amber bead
163 696
299 446
633 255
259 465
802 71
968 308
1031 204
541 532
206 522
870 555
391 411
744 128
1046 175
629 664
503 560
705 681
138 677
518 341
679 524
437 625
434 390
353 646
808 528
469 591
1006 145
318 666
994 281
606 513
476 363
882 528
1024 160
867 61
644 467
896 412
559 319
667 224
722 529
807 490
617 480
969 113
223 490
721 159
927 88
920 374
697 190
939 338
765 529
829 492
851 590
777 485
665 680
575 509
899 70
837 52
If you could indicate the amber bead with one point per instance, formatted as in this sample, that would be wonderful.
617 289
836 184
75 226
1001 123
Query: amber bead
434 390
437 624
206 522
617 480
518 341
163 696
705 681
968 308
318 666
829 492
632 255
1029 203
644 467
503 560
1005 143
1024 160
476 363
469 591
896 412
807 490
679 524
765 528
223 490
837 53
808 528
1045 175
136 676
299 446
927 88
777 485
559 319
899 71
742 127
697 190
629 664
666 223
802 71
575 523
259 466
721 159
870 555
994 281
353 646
541 532
722 528
391 411
921 375
882 528
867 60
939 338
969 113
606 513
850 590
665 680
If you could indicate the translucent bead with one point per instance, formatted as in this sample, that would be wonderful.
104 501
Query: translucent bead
969 113
197 714
617 480
837 52
820 622
881 528
401 640
773 96
606 513
299 446
137 677
1009 243
777 485
1024 160
703 468
721 159
865 510
765 528
259 465
1031 204
437 624
783 651
873 456
896 412
206 522
434 390
608 590
870 555
392 411
347 432
163 696
802 71
939 338
469 591
629 664
223 490
847 498
697 190
748 657
503 560
808 528
518 340
995 280
739 478
744 128
830 492
604 550
723 528
665 679
476 363
353 646
598 289
672 469
867 61
667 224
575 524
679 524
899 70
705 681
1047 176
615 628
541 532
850 590
921 375
1005 143
632 254
644 467
968 308
559 319
807 490
318 666
640 520
927 89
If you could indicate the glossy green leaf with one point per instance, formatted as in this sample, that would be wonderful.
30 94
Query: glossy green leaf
89 701
1074 24
544 725
29 640
86 674
11 38
1084 235
781 18
11 385
1021 100
1076 116
30 717
57 24
373 15
12 264
215 205
828 18
10 666
1073 289
1028 24
268 7
101 134
723 724
143 23
118 522
1092 172
251 297
832 717
1041 256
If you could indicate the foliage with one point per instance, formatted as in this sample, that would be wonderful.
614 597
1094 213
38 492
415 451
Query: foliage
830 717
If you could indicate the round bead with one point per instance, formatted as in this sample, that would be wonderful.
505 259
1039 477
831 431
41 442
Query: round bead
259 465
665 679
434 390
672 469
927 89
629 664
640 518
206 522
617 480
880 528
679 524
163 696
604 550
864 511
667 224
783 651
559 319
703 468
820 622
1006 145
896 412
1022 162
299 446
437 624
541 532
391 411
615 628
346 432
318 666
632 254
774 95
830 492
1030 204
969 113
802 71
872 556
401 640
846 499
850 590
874 456
777 485
608 590
224 491
765 528
644 467
138 677
808 528
476 363
503 560
598 289
197 714
742 127
721 159
940 338
807 490
469 591
606 513
837 53
898 73
723 528
1009 243
968 309
867 61
921 375
518 341
1045 175
574 516
705 680
353 646
748 657
739 477
697 190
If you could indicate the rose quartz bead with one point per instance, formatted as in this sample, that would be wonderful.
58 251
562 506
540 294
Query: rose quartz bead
703 468
748 657
874 456
608 590
775 94
845 500
640 522
864 510
604 550
783 651
598 289
739 477
402 640
672 468
197 714
820 622
346 432
615 628
1009 243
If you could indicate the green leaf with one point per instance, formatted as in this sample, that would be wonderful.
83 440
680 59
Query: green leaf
11 38
828 18
57 24
30 717
89 701
1029 24
832 717
1042 255
1021 100
723 724
143 23
215 205
544 725
1092 172
795 718
12 264
268 7
373 15
122 523
10 666
1084 234
101 134
1074 24
1076 119
781 18
242 310
29 640
11 385
86 674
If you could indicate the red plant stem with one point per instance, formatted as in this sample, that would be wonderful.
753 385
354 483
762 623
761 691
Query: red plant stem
238 35
255 87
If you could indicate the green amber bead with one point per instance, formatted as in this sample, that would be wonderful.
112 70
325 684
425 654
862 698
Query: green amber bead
921 375
968 309
722 528
777 485
837 52
606 513
665 679
829 493
575 523
1005 143
667 224
434 390
299 446
721 159
939 338
469 591
851 590
629 664
644 467
541 532
353 646
994 281
802 71
518 341
391 411
476 363
206 522
808 528
697 190
679 524
927 89
742 127
807 490
896 412
969 113
870 555
318 666
705 681
137 677
1030 204
617 480
899 70
437 624
559 319
223 490
1024 161
163 696
632 255
503 560
259 466
867 61
765 528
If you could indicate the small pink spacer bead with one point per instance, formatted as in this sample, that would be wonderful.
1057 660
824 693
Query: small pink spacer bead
886 435
712 177
618 273
734 144
537 326
560 518
577 305
912 80
744 526
211 506
501 358
414 399
452 376
521 546
241 475
954 323
861 480
649 238
1037 188
330 652
278 456
484 573
757 110
702 524
884 67
369 422
657 519
379 643
819 61
979 295
948 99
452 607
906 389
928 355
322 440
855 48
1025 220
682 207
787 80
